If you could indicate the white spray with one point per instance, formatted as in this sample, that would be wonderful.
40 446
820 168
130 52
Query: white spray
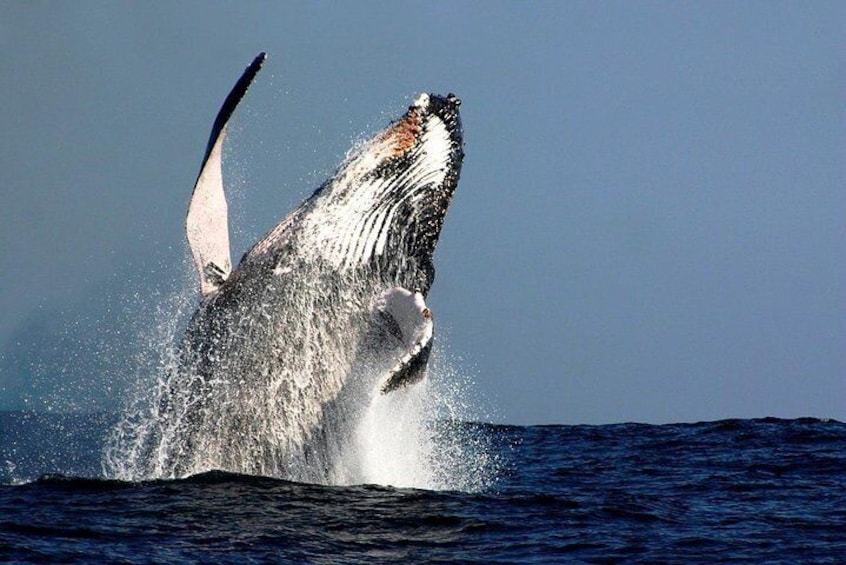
415 437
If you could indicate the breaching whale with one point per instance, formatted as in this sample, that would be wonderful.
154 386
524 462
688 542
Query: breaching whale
327 308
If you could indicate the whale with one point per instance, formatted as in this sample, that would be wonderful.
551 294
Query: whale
324 311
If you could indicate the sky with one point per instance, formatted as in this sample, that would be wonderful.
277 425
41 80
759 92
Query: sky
649 225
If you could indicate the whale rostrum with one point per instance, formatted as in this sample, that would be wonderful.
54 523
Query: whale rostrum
328 306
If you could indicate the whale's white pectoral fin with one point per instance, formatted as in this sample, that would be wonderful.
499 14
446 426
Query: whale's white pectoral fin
206 224
207 221
404 315
410 369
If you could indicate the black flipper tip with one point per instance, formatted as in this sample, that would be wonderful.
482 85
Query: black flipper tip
238 91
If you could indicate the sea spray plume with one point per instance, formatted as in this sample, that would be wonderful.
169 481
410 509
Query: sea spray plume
326 312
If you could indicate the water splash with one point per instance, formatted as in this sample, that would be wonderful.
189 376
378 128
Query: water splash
124 455
415 437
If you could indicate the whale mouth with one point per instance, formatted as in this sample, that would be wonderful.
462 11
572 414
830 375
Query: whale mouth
404 319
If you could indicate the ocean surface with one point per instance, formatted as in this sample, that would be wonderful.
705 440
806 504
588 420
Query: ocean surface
733 491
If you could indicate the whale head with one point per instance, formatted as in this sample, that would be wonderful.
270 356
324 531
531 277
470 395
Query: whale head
385 206
382 211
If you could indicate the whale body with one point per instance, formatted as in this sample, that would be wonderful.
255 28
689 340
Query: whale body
325 309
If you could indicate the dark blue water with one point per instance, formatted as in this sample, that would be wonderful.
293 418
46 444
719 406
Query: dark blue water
734 491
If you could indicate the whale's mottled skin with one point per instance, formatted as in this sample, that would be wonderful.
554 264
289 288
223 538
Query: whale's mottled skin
329 300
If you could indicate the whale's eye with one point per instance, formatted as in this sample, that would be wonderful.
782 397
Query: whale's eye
427 313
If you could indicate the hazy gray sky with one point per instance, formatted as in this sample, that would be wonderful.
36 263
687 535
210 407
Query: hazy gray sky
650 222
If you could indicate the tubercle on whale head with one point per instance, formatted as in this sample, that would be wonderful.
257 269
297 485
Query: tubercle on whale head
403 134
430 131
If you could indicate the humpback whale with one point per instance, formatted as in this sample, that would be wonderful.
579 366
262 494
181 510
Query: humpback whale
325 309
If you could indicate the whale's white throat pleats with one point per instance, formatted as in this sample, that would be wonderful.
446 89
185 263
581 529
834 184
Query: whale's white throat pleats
361 217
389 196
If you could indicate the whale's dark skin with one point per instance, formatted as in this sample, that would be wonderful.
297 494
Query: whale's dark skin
328 300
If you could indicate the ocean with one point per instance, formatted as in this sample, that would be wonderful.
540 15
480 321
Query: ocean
732 491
